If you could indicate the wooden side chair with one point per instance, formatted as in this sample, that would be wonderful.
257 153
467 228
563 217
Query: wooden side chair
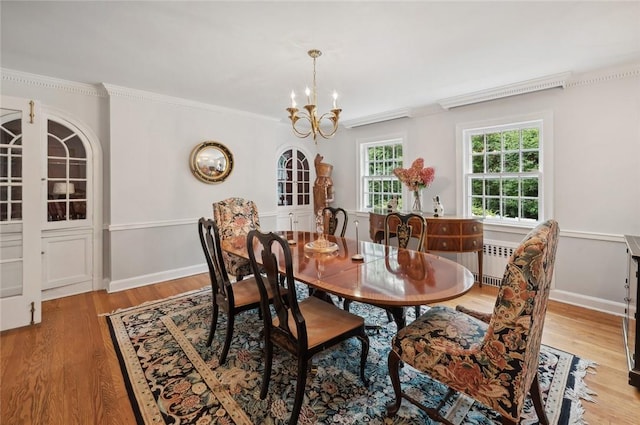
232 298
495 363
236 217
303 328
333 217
405 227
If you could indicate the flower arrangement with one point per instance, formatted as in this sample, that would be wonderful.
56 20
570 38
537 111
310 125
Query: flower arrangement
417 176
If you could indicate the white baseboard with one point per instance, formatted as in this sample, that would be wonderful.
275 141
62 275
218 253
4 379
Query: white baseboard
591 303
67 290
135 282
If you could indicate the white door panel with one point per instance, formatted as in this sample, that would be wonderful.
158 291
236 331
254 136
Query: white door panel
20 259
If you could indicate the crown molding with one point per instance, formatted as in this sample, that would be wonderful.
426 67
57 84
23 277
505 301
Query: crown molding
376 118
611 74
74 87
536 84
135 94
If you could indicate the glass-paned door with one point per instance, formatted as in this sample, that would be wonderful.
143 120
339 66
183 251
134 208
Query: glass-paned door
293 179
67 182
20 262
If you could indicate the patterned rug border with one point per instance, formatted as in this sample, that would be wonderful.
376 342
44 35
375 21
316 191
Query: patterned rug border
572 394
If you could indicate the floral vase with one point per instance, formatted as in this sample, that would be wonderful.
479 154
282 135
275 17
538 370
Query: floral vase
417 202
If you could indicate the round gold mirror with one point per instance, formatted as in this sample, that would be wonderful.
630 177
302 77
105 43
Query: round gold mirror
211 162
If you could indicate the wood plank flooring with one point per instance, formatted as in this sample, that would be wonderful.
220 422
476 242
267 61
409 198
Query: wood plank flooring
64 370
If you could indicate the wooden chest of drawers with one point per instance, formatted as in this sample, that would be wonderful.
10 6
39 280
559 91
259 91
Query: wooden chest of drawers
450 234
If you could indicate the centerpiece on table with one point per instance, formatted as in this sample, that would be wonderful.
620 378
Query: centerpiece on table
416 178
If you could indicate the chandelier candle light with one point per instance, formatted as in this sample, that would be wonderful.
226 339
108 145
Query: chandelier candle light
416 178
311 113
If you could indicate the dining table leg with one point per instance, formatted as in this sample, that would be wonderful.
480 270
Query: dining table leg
323 295
398 316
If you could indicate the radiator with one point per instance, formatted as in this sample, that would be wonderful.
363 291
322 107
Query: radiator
495 256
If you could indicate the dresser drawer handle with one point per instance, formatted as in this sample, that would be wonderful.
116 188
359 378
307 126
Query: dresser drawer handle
475 243
444 229
475 228
444 244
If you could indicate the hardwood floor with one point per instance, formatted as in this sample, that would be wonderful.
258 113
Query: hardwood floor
64 370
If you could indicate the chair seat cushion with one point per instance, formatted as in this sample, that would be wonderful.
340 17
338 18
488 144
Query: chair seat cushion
246 292
324 321
438 332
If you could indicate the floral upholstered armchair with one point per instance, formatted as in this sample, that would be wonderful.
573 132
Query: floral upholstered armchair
495 363
236 217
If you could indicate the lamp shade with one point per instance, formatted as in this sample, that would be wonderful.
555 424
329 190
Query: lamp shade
63 188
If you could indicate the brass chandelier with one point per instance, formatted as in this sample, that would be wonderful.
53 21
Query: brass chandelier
310 112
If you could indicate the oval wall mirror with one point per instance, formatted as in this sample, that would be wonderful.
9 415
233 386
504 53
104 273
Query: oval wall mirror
211 162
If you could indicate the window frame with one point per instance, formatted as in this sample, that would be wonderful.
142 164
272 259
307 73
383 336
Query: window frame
362 145
542 120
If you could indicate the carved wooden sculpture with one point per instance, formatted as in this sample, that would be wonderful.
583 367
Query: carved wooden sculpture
323 186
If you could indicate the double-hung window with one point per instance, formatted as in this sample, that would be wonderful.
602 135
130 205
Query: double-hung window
506 176
378 185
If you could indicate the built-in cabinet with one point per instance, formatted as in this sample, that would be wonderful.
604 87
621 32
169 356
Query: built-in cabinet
295 211
47 227
629 322
67 235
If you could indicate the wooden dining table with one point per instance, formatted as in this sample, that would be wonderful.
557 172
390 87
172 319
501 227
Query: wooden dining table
385 276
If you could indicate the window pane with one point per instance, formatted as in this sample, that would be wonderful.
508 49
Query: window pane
493 142
493 163
511 140
530 187
530 161
530 138
60 131
511 162
56 148
530 209
476 187
478 164
477 143
510 187
16 193
78 168
16 211
493 187
511 208
76 148
476 206
493 207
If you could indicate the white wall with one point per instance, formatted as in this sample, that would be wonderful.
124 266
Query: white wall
156 201
596 166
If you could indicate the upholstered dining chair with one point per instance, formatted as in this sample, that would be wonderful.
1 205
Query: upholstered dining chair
236 217
303 328
333 217
495 363
232 298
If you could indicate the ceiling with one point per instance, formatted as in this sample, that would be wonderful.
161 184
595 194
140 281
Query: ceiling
378 56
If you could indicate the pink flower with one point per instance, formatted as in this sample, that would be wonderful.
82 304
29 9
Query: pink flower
417 176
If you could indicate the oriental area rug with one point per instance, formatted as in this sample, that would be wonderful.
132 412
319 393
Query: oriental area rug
173 378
